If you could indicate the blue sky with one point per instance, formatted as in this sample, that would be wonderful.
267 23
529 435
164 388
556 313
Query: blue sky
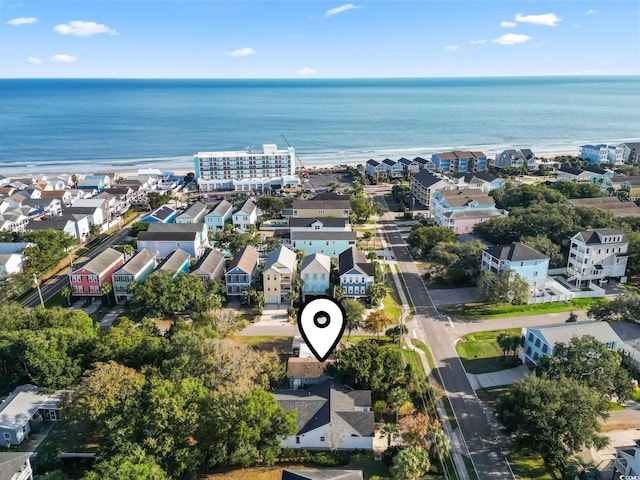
312 38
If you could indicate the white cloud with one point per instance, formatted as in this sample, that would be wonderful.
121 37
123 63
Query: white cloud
241 52
478 42
452 48
34 60
591 11
62 58
80 28
22 21
342 8
508 24
548 19
512 39
306 71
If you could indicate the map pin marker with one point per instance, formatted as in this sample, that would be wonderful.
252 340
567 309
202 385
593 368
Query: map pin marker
321 321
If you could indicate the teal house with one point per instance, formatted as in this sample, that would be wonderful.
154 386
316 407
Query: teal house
177 262
315 272
135 270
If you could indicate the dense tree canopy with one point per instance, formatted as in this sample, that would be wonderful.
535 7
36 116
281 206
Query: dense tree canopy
161 293
423 239
504 286
625 307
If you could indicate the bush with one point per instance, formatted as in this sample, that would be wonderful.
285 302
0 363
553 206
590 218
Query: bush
326 459
389 453
378 408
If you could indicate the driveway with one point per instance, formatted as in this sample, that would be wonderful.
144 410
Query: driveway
453 296
273 322
499 378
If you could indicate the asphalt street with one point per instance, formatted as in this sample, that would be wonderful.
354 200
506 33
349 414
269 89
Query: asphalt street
476 424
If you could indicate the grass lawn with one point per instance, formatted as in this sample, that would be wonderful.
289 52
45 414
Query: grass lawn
266 343
413 358
392 304
502 310
615 406
527 465
423 346
100 313
56 301
636 394
67 439
480 352
248 313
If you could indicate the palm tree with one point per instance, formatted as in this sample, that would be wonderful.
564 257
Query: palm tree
377 292
128 251
389 430
106 289
67 292
579 469
292 296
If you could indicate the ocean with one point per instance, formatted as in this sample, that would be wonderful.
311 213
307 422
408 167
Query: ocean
85 125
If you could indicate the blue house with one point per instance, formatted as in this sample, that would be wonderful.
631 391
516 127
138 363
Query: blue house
162 214
177 262
94 182
356 273
326 242
135 270
315 271
24 404
530 264
216 218
600 153
540 341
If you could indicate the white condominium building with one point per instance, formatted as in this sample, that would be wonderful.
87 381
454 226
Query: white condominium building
246 170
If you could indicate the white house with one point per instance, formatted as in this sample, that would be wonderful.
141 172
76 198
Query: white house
194 214
597 256
329 416
242 271
246 216
24 404
627 461
10 263
356 273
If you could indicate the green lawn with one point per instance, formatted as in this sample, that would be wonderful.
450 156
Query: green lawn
502 310
528 465
636 394
615 406
423 346
392 304
480 352
268 343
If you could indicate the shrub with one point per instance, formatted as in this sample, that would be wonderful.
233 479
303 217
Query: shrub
326 459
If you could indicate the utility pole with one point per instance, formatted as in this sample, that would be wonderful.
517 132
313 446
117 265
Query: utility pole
35 279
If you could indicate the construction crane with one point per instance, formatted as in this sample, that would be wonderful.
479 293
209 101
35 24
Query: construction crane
305 172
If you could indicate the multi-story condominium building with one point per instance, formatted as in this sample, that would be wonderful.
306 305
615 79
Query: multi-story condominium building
135 270
194 214
241 170
600 153
459 161
278 273
462 210
87 281
246 216
539 342
356 273
216 218
530 264
515 159
628 153
598 255
315 272
242 271
424 184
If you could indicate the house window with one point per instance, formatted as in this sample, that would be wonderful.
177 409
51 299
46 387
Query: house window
544 348
537 342
297 439
322 439
7 436
528 350
530 338
535 356
323 277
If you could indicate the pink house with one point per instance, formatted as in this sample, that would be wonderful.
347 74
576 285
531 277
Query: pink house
87 280
461 210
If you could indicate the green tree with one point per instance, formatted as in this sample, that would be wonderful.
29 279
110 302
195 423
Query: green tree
390 431
376 321
581 470
422 239
396 333
377 292
157 199
545 246
67 292
133 464
410 463
504 286
586 360
361 208
161 293
625 307
50 247
106 290
572 317
509 343
575 409
354 315
339 292
271 206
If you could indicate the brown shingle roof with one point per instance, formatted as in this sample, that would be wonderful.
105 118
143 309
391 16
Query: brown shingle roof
306 367
246 259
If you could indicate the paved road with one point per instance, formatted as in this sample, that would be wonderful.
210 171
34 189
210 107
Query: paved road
475 424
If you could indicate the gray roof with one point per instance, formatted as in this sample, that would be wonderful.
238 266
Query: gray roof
321 204
354 258
19 407
81 210
324 403
154 236
11 462
209 263
177 227
196 209
591 237
323 235
248 207
174 261
221 208
54 224
571 170
138 262
326 221
372 162
103 261
162 212
564 332
515 252
322 259
480 213
281 255
426 179
246 260
321 474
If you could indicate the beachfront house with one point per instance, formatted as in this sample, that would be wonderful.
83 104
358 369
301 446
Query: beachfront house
485 181
139 267
176 262
210 267
329 416
596 256
87 280
278 274
539 342
194 214
462 210
424 164
628 153
601 153
408 165
315 272
522 158
218 216
246 216
393 169
424 184
242 271
373 167
571 174
520 259
356 273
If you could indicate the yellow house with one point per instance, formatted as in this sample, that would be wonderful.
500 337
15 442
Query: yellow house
321 208
278 273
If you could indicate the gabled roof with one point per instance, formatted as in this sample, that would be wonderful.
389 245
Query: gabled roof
326 221
404 161
389 162
20 406
12 462
421 160
591 237
485 176
174 261
246 260
281 255
209 263
323 474
196 209
353 258
162 213
221 208
103 261
160 236
515 252
460 198
570 170
372 162
323 260
53 224
138 262
177 227
594 169
564 332
53 194
427 179
248 207
324 403
321 204
330 196
305 367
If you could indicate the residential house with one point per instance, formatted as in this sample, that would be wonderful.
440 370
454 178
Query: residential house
12 257
100 203
485 181
539 342
326 224
305 371
210 267
278 273
164 243
600 153
613 184
176 262
462 210
315 272
321 474
626 462
92 185
393 169
245 216
24 404
596 256
631 185
610 204
63 195
459 161
162 214
199 228
522 158
321 208
242 271
597 175
356 273
87 280
122 198
13 221
530 264
628 153
95 215
139 183
48 207
571 174
329 416
373 168
218 217
408 165
424 184
139 267
194 214
322 241
73 224
15 465
424 164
